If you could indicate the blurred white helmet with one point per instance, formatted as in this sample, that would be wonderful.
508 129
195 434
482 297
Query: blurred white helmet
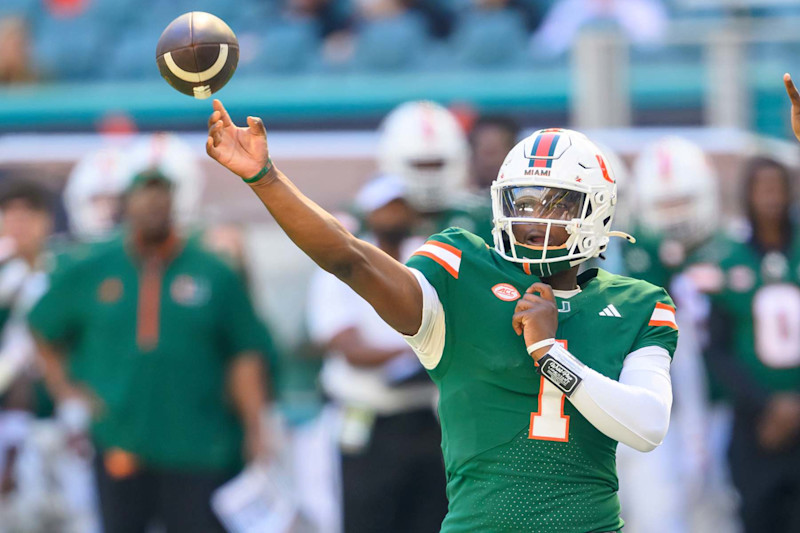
626 198
93 191
676 191
423 144
555 177
176 160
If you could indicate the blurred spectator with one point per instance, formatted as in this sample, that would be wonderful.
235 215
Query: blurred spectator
491 138
642 21
389 36
66 8
491 34
331 16
15 60
392 471
754 350
163 344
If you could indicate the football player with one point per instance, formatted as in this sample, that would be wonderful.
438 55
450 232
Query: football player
676 198
754 347
423 144
93 193
675 193
754 350
508 333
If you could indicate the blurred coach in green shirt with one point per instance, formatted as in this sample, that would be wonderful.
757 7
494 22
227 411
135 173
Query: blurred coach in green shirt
163 342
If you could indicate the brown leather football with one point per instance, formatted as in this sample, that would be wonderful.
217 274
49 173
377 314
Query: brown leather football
197 54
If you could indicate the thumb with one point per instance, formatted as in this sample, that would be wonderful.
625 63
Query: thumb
256 126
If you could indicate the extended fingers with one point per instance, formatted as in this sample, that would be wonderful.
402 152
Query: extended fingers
256 126
215 132
226 118
211 149
791 90
215 117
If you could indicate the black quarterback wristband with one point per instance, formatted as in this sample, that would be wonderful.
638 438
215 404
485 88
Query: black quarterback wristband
562 369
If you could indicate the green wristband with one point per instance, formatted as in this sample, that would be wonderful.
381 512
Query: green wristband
263 172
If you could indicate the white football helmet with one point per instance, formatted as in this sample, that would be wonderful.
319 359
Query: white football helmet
423 144
626 198
676 190
93 191
176 160
555 177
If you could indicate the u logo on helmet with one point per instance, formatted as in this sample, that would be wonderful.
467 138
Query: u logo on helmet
603 167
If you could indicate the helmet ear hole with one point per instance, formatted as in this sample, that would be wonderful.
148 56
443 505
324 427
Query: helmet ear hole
587 243
600 197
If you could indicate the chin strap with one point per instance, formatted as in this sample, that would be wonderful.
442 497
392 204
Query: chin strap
630 238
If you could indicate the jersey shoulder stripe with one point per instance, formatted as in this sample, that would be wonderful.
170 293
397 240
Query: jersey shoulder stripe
663 315
447 256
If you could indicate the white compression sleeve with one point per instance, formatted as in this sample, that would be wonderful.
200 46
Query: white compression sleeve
634 410
428 342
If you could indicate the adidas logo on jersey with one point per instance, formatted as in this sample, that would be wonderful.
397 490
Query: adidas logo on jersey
610 310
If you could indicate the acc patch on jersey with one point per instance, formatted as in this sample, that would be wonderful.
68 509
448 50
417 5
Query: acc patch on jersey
506 292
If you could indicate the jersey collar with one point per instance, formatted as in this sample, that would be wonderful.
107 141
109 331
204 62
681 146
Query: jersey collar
164 253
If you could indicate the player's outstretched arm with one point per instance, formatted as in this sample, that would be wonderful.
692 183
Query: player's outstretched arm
382 281
794 96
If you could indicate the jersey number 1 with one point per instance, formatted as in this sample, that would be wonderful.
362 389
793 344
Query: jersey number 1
550 422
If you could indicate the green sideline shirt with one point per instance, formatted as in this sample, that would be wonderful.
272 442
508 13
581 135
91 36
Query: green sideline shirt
152 339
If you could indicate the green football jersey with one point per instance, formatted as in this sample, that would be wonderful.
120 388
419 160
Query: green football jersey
518 457
760 296
654 258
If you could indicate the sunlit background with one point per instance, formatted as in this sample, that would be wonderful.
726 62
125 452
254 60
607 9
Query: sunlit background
78 78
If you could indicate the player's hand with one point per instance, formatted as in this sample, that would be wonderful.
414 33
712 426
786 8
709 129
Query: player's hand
243 151
536 316
794 96
780 423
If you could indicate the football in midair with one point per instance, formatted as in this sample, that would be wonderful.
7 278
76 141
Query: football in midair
197 54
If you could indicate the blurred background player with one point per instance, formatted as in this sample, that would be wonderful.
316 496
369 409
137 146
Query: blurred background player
490 140
423 144
26 223
754 349
174 404
388 436
93 194
676 210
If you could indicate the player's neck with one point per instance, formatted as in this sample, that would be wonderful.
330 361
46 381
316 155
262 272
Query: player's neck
771 236
563 281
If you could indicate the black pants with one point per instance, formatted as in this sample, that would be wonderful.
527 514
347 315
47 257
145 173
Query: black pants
179 501
397 484
769 483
